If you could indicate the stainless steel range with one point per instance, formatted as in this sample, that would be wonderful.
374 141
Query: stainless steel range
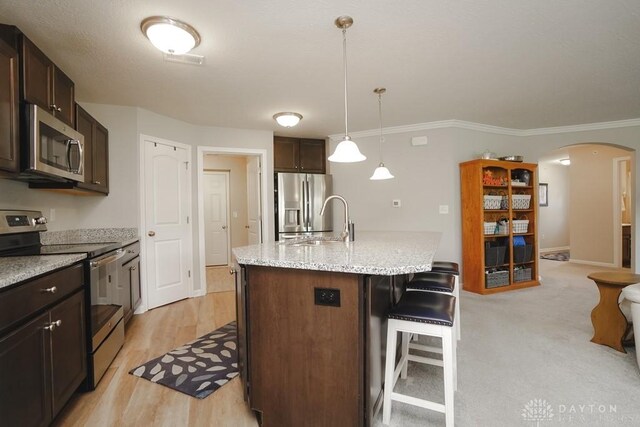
20 236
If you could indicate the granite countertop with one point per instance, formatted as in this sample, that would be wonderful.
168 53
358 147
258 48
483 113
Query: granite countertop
19 268
16 269
379 253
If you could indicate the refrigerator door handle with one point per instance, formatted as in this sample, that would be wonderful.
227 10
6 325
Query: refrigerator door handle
304 204
308 206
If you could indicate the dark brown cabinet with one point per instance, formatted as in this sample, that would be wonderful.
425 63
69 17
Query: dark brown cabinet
46 85
9 101
299 155
96 152
626 246
43 359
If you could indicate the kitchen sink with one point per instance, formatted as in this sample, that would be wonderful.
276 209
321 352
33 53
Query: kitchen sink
317 241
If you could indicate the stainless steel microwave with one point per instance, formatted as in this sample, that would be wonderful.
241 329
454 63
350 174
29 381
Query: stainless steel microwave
55 148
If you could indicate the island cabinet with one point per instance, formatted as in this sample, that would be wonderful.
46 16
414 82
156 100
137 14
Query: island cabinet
42 347
317 341
299 155
312 324
46 85
499 225
96 152
9 100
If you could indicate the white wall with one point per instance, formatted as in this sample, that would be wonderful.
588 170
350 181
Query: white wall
427 176
553 220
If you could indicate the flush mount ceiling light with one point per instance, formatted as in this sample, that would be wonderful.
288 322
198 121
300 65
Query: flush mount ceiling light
170 35
287 120
381 171
565 162
347 151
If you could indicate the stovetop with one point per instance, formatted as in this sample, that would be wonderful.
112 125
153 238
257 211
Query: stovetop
91 249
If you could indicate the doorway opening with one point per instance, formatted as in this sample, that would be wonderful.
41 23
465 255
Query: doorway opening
230 205
591 204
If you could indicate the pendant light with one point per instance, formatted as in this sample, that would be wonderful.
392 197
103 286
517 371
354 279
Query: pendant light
347 151
381 171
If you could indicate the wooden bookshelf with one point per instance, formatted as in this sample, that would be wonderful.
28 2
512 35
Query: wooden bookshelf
486 267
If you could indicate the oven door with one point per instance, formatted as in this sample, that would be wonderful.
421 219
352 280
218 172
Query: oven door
56 149
105 298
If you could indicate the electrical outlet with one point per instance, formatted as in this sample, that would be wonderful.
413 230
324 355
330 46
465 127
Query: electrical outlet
52 215
396 203
327 296
444 209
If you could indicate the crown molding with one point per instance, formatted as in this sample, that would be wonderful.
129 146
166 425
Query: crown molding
461 124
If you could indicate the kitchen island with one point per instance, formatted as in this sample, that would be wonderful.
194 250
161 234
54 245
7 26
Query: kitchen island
312 323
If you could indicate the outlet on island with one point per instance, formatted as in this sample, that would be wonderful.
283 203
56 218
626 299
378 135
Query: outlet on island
327 296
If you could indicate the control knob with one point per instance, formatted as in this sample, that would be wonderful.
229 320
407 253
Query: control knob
40 220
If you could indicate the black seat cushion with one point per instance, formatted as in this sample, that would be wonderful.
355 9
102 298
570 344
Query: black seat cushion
445 267
432 281
425 307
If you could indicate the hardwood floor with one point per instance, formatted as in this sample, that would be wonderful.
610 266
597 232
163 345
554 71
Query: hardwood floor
124 400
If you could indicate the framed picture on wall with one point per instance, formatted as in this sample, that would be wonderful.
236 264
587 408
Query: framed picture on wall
543 194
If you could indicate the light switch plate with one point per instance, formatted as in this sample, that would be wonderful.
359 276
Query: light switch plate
396 203
444 209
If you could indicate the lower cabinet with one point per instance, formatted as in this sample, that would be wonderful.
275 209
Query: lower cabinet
42 363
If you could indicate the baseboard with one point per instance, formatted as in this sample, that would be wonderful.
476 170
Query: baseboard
199 293
558 249
594 263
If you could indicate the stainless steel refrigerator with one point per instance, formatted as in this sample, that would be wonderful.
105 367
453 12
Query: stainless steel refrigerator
299 199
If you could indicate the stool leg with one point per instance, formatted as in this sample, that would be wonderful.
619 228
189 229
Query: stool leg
406 337
454 350
392 337
448 361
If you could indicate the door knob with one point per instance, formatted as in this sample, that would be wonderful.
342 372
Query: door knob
151 233
224 227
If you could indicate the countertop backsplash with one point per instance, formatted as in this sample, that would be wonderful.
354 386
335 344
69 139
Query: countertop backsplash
88 235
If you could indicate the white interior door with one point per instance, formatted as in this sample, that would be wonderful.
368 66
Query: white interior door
167 211
216 202
254 225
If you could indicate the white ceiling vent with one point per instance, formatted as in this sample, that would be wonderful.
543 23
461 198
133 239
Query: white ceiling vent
185 58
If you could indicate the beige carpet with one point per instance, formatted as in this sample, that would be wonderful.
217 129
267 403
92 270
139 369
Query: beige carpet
219 279
528 348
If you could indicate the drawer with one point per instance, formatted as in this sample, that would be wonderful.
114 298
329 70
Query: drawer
28 298
131 251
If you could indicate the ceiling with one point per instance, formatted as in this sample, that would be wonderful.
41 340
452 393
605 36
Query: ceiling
513 63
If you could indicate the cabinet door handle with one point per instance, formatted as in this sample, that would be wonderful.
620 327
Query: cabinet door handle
51 326
51 290
97 182
133 268
232 271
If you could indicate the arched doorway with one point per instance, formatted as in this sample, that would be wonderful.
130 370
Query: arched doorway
590 207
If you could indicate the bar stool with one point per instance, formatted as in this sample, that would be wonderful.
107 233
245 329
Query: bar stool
632 294
423 313
429 281
450 268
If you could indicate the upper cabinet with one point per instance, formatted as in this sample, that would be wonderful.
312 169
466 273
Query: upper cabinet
46 85
9 102
96 152
299 155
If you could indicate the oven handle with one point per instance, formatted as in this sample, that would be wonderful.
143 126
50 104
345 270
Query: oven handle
104 261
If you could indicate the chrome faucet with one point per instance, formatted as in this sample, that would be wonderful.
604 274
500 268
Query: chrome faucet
345 232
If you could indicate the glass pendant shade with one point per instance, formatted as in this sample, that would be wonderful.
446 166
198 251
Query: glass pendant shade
170 35
347 152
381 173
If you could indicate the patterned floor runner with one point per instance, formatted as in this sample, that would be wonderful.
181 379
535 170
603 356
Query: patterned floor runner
197 368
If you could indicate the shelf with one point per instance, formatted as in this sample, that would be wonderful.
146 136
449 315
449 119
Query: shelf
474 188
